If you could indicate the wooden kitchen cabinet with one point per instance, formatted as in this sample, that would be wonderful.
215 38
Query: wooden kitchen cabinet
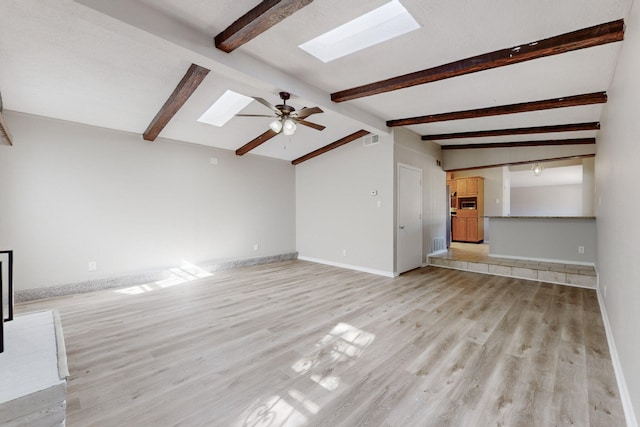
472 229
472 186
459 228
468 187
468 224
469 228
461 187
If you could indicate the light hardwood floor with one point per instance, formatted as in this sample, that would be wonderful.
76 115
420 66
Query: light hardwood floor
297 343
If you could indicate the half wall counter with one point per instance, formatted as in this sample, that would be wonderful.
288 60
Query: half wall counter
560 239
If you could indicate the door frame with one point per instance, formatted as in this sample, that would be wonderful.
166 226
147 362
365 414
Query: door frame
397 219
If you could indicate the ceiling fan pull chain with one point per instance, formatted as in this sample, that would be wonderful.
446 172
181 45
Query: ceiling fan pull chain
284 146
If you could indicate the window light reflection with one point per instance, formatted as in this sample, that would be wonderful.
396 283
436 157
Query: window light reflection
336 351
187 272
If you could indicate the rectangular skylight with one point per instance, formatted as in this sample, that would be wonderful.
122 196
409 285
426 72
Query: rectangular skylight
227 106
379 25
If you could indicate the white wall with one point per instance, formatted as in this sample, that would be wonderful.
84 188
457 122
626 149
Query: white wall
338 221
411 150
74 193
548 200
617 206
588 186
506 191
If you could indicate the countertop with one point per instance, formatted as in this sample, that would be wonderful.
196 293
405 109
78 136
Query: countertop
539 217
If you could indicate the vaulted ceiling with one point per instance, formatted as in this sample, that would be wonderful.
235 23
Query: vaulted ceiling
471 74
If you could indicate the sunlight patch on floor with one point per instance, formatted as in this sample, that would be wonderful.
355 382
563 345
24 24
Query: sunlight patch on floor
340 348
271 412
187 272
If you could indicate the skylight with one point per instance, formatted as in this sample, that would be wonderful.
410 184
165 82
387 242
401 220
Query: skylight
227 106
379 25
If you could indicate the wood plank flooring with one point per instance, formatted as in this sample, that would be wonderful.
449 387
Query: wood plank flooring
303 344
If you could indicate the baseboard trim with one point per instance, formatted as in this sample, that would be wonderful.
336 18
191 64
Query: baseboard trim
140 278
349 266
627 406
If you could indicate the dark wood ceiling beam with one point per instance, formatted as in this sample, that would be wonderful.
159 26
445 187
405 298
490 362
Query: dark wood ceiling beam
189 83
255 142
526 162
255 22
5 135
568 101
332 146
515 131
574 141
580 39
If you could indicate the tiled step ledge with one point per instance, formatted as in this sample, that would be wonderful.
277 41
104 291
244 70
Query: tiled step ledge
563 274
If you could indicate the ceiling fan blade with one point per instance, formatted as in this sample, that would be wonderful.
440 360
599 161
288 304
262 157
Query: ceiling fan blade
306 112
255 142
254 115
267 104
310 124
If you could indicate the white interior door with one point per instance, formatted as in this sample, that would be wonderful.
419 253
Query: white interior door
409 233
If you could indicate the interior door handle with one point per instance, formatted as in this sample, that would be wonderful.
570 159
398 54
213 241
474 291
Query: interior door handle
402 227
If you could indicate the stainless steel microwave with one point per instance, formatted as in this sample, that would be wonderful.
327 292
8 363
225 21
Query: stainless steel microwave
468 204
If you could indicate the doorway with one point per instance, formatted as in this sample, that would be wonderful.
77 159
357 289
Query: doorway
409 232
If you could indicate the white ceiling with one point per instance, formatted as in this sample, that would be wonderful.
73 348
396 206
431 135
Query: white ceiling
115 69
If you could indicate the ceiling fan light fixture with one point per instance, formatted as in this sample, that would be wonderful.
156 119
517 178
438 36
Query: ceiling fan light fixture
537 169
276 125
289 127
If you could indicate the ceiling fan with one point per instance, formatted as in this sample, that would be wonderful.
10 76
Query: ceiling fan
286 116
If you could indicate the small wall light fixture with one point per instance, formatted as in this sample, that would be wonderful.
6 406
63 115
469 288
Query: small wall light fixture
537 169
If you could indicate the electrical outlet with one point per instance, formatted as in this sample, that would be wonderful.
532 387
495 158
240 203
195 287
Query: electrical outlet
580 249
93 266
344 252
256 246
213 160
